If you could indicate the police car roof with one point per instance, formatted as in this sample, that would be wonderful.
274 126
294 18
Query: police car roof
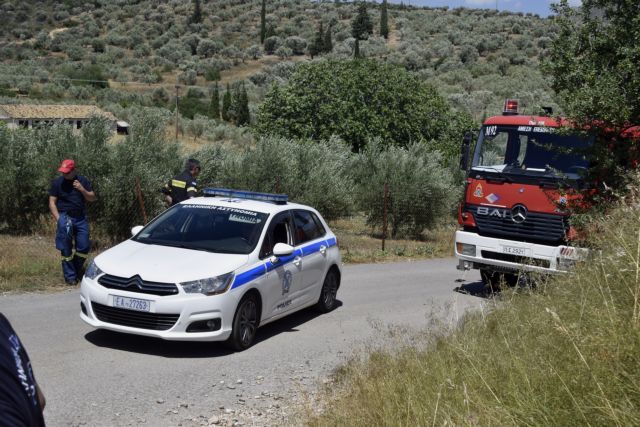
248 204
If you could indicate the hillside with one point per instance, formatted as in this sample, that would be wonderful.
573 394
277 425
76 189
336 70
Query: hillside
125 53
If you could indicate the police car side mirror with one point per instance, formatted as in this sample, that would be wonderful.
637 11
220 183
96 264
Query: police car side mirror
135 230
282 249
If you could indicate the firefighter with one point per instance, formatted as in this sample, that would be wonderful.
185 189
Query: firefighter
67 197
184 185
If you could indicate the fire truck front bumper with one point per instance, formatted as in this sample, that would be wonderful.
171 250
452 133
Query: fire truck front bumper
475 251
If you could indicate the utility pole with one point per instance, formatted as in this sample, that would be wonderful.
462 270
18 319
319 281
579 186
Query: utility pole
177 113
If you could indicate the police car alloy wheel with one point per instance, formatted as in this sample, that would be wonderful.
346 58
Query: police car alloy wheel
245 323
215 268
327 301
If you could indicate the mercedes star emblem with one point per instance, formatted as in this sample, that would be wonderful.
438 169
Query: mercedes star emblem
518 214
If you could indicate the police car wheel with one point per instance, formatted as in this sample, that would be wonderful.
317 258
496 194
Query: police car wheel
327 301
245 324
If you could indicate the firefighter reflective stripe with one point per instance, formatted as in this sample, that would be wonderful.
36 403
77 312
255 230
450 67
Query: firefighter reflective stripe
67 258
81 255
178 184
191 189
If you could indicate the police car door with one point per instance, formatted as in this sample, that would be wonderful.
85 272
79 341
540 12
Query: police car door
310 239
283 273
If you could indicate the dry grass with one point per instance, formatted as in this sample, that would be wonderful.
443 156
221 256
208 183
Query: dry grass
565 353
360 244
29 263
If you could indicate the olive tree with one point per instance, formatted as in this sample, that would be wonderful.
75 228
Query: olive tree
356 100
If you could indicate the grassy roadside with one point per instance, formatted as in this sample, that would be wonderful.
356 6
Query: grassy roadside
31 263
566 353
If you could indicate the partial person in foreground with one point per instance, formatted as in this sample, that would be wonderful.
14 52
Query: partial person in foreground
21 400
67 202
184 185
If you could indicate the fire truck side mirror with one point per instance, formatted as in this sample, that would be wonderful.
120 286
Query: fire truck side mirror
464 150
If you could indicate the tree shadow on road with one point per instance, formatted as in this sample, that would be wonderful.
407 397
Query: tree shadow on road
187 349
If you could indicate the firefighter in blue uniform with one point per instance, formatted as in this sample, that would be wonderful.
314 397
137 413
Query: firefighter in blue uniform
184 185
67 197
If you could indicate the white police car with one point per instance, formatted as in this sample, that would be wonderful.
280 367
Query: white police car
214 268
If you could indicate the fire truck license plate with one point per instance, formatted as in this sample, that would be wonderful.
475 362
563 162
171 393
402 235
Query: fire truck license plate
513 250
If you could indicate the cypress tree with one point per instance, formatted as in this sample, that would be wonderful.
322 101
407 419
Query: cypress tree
263 21
328 43
361 26
214 107
243 116
318 43
226 104
196 18
384 20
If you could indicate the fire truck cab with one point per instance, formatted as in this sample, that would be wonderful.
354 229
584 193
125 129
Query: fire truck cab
521 175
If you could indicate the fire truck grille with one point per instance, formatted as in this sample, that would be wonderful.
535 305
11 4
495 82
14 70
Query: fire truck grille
538 228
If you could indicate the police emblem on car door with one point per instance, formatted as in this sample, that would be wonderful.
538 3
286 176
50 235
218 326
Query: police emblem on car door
283 272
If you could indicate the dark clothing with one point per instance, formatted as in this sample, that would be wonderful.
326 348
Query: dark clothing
70 200
70 229
181 187
72 226
19 405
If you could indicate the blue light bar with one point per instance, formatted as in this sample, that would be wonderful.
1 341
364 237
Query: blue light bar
280 199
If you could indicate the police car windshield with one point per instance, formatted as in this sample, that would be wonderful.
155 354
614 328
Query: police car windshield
531 150
209 228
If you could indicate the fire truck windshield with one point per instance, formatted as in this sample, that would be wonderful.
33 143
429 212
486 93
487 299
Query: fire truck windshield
531 150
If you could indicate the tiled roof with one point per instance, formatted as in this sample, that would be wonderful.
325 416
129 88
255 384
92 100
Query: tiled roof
32 111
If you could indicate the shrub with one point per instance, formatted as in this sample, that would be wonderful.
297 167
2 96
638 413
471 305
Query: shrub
311 173
421 191
296 44
271 44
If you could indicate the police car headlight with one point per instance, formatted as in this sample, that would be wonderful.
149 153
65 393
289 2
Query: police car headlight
209 286
92 271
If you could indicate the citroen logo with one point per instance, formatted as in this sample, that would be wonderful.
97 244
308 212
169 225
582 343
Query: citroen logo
518 214
135 281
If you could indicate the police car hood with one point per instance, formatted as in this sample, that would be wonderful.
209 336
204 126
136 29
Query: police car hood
157 263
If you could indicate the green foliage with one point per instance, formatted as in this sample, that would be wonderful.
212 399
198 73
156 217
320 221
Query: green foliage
145 155
87 75
594 65
30 159
226 104
191 105
212 74
310 173
317 46
384 20
196 18
214 105
240 105
420 190
361 26
357 100
263 24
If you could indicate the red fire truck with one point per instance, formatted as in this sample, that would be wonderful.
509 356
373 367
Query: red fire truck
521 176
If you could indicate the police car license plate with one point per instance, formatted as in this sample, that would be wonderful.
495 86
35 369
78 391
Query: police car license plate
131 303
513 250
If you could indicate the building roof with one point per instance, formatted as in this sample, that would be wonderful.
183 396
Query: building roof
53 111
